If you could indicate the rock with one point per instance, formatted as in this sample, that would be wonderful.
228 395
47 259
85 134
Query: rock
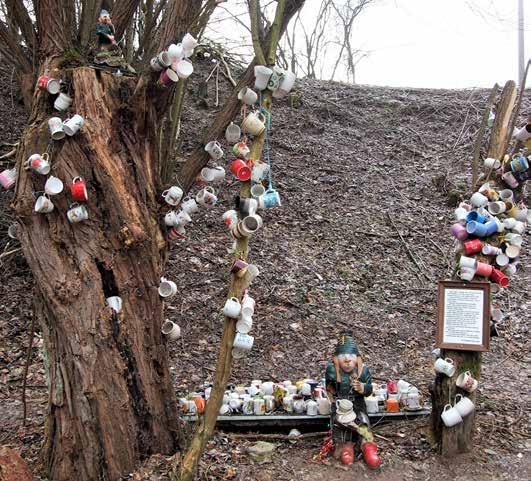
12 466
261 452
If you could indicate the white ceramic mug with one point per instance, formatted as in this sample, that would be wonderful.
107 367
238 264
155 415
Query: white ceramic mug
467 273
497 208
173 195
479 200
175 52
371 402
262 75
62 102
232 308
451 416
460 214
254 123
40 163
167 288
53 185
170 329
77 213
73 125
43 205
491 163
170 219
268 388
251 274
260 170
312 408
464 405
55 124
248 305
162 60
244 325
207 197
230 218
502 260
489 250
189 42
247 96
469 262
257 191
259 407
183 68
8 178
190 206
243 341
233 133
512 252
214 149
466 381
445 366
115 303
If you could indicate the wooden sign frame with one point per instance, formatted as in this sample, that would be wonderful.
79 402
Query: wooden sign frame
484 322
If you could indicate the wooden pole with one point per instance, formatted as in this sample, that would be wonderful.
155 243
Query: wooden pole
498 137
481 134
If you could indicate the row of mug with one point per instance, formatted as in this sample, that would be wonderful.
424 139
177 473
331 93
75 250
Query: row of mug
465 380
53 86
175 53
470 267
76 212
278 80
59 128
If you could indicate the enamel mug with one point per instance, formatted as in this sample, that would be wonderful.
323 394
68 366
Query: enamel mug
55 124
232 308
466 381
451 416
77 213
62 102
51 85
463 405
8 178
445 366
40 163
53 185
43 205
73 125
173 195
78 190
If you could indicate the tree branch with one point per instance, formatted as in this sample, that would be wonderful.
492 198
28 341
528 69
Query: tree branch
122 14
18 15
55 30
257 46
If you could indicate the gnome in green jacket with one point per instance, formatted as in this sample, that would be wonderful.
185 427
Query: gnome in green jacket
348 381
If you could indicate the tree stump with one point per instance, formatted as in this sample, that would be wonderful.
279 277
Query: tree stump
457 439
12 466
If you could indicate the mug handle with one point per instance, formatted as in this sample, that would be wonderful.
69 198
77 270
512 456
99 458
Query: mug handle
261 117
76 179
457 396
468 373
448 360
447 407
165 193
46 156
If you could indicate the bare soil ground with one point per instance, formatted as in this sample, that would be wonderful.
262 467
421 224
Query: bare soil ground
354 165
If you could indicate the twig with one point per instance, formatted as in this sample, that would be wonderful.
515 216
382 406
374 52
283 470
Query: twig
26 369
411 256
9 154
8 253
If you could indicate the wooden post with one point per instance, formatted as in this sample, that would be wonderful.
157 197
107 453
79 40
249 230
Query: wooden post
457 439
498 137
481 133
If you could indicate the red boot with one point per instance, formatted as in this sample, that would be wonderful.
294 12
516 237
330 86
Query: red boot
347 453
372 459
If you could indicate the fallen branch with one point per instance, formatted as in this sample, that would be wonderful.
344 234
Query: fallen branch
26 369
8 253
10 154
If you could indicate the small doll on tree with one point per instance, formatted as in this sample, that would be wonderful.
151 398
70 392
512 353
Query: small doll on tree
347 378
109 52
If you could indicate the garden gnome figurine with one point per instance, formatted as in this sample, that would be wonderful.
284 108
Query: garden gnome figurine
348 382
109 52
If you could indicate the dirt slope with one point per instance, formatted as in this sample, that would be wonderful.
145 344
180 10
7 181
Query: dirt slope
354 165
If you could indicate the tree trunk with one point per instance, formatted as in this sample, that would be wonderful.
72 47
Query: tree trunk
110 396
457 439
498 137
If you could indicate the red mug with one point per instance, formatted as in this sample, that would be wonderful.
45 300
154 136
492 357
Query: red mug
499 278
43 82
483 269
241 170
78 189
472 246
392 386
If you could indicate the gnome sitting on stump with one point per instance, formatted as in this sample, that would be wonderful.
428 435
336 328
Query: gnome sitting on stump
109 53
348 381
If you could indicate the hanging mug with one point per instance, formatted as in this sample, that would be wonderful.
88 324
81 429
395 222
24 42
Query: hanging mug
466 381
247 96
168 77
184 68
173 195
77 213
170 329
78 190
232 308
451 416
53 185
262 75
8 178
240 169
270 199
162 60
43 205
190 206
49 84
206 197
115 303
214 149
254 123
241 150
62 102
73 125
463 405
243 341
233 133
55 125
40 163
260 170
445 366
167 288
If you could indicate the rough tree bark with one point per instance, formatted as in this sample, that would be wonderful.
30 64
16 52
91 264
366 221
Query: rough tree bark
498 137
111 401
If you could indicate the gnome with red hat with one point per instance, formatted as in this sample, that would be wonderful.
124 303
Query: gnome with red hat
348 381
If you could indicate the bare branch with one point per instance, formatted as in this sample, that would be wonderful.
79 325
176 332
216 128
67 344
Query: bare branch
255 22
18 15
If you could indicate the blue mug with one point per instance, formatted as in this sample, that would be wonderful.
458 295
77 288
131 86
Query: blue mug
491 228
271 199
482 230
519 164
475 216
